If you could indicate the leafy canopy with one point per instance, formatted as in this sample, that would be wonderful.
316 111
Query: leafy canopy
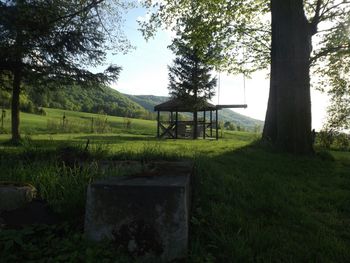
235 26
59 40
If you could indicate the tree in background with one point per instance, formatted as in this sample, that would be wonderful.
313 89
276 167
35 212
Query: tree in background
336 80
53 42
282 41
190 75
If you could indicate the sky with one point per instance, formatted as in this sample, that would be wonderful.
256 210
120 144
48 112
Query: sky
145 72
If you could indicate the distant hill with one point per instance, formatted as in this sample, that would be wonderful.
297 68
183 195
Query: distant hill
225 115
147 101
240 119
94 100
110 101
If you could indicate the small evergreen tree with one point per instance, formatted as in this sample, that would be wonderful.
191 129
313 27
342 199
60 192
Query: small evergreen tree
190 76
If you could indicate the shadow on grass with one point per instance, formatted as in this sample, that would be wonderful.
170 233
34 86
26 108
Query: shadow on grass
255 205
250 205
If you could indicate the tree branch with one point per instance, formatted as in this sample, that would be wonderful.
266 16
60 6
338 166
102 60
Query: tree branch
325 11
326 51
316 19
93 3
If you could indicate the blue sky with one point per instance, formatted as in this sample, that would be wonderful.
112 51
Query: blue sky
145 72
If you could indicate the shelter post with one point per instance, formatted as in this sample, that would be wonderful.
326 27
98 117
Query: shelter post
158 124
204 124
217 124
176 123
211 123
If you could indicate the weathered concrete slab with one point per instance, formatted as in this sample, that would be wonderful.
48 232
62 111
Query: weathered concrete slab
147 213
15 195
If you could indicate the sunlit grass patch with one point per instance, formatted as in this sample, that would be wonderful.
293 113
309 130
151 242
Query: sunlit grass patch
249 204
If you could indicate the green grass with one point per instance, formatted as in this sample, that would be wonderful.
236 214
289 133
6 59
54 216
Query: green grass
250 204
77 122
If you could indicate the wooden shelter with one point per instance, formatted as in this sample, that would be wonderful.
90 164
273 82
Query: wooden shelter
174 128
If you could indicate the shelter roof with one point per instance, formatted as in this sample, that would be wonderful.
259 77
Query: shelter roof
182 106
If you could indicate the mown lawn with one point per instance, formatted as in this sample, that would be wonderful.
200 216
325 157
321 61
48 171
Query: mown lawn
78 122
250 204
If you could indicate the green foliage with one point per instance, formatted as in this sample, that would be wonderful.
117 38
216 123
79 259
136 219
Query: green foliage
230 126
228 26
61 243
189 76
94 100
331 139
147 101
49 43
111 102
57 38
333 74
249 204
241 32
342 141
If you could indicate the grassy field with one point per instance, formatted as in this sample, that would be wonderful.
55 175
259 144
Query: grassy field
250 204
76 122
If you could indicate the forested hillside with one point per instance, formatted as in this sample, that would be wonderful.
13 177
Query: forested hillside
96 100
107 100
147 101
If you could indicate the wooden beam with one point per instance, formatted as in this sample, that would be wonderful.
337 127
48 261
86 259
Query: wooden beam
211 123
167 130
231 106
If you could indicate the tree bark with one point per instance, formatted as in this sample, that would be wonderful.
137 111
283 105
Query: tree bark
288 116
16 88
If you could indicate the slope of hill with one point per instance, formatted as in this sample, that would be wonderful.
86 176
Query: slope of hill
95 100
110 101
225 115
147 101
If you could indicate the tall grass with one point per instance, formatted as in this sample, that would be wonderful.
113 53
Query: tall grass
250 205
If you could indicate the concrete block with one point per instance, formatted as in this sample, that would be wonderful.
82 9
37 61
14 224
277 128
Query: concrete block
147 214
14 195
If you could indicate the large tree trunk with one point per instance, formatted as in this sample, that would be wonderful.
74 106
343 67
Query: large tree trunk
288 117
16 88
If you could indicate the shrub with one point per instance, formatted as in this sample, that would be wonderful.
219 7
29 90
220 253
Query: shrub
127 123
40 111
101 124
28 107
342 141
325 138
